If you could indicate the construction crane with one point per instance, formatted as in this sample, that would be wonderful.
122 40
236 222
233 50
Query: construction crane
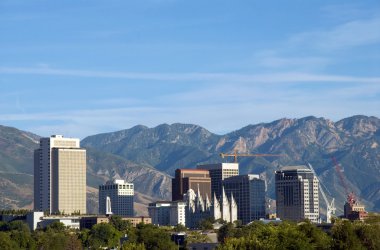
330 206
353 210
350 195
236 155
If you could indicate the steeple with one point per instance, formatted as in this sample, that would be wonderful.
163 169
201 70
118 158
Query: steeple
233 209
207 203
216 208
225 206
199 201
108 206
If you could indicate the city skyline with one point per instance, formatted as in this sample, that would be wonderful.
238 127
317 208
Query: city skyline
80 68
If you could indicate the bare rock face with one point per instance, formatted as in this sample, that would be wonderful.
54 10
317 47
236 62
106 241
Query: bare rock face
149 156
309 139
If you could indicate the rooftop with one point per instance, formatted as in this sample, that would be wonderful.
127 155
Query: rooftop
295 168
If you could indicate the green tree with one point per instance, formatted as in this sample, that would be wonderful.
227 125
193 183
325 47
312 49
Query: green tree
289 237
117 222
318 239
124 226
180 228
51 240
344 236
22 236
56 226
195 236
206 224
368 234
84 237
373 218
104 235
226 231
133 246
6 242
73 243
154 237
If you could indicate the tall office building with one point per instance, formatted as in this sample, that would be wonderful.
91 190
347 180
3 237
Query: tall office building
120 193
249 193
60 176
297 194
186 179
219 172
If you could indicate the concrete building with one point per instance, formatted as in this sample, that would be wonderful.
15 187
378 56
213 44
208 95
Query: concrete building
72 222
219 172
297 192
120 194
353 210
167 213
60 176
89 221
186 179
249 194
138 219
31 218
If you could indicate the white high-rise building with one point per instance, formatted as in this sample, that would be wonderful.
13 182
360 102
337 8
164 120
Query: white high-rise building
297 192
120 193
60 176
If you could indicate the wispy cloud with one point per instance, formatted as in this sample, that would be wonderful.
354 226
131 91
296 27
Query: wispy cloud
305 63
248 78
350 34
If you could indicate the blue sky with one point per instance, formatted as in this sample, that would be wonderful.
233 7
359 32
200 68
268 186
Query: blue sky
84 67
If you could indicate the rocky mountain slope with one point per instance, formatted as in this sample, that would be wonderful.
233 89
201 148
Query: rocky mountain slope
16 173
148 156
353 141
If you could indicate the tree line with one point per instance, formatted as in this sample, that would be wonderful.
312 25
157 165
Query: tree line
343 234
122 235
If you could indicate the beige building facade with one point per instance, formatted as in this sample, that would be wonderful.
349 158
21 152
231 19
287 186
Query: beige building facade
60 176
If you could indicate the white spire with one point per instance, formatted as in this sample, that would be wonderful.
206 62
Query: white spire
199 201
216 208
225 207
207 203
108 206
233 209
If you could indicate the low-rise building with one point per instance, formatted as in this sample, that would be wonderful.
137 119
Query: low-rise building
71 222
31 218
89 221
167 213
138 219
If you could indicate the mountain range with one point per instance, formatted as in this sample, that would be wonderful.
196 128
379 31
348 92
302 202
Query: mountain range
148 157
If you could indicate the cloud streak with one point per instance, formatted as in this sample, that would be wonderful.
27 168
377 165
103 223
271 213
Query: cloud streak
350 34
197 77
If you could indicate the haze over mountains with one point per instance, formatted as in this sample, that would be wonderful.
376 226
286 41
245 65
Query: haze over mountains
148 156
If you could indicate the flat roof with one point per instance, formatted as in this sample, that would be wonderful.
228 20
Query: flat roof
219 166
292 168
191 170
